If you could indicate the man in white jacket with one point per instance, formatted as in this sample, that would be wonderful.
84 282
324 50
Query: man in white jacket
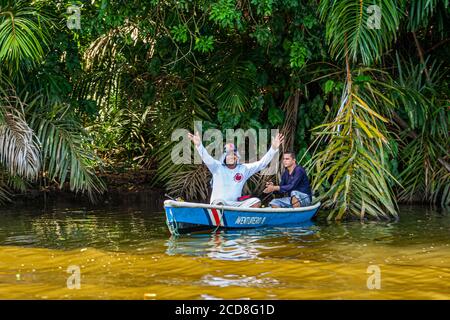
229 176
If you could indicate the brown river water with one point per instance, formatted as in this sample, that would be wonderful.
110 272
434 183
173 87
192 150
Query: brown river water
127 253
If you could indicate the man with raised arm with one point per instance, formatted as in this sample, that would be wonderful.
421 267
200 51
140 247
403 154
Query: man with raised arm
229 175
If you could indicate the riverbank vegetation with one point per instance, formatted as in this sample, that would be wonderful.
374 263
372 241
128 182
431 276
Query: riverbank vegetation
359 88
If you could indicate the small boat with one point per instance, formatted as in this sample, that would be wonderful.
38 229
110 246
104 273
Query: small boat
184 217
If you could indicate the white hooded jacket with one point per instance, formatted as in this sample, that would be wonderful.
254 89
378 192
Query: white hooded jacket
228 183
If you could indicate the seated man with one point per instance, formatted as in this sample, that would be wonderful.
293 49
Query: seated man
293 182
229 175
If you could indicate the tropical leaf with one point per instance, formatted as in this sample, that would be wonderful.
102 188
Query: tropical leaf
190 183
352 163
19 147
23 35
67 151
364 29
189 102
425 135
5 194
233 84
420 12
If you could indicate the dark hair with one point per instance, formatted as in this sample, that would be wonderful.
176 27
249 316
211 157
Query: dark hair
291 153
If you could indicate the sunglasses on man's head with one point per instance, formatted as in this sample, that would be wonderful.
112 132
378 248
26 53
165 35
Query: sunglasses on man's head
233 148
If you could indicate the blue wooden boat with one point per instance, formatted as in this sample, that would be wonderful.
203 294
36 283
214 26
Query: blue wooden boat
182 217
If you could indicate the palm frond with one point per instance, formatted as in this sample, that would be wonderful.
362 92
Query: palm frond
348 28
351 171
425 138
67 151
188 101
420 12
233 84
423 176
191 183
5 194
19 147
23 35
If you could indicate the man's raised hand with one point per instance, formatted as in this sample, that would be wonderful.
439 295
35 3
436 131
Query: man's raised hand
277 141
195 138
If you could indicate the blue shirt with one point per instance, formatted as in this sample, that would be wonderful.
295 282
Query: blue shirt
298 181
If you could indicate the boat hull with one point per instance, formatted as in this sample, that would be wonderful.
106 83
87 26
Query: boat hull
184 217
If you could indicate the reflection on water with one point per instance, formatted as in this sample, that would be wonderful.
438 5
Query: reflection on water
128 253
238 244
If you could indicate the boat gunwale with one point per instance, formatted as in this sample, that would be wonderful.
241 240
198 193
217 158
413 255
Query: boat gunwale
182 204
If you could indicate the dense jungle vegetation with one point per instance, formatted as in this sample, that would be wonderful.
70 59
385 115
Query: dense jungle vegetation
359 88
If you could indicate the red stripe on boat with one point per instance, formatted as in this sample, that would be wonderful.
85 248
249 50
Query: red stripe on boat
216 216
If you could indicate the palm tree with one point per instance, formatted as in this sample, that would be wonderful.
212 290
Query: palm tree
353 160
354 169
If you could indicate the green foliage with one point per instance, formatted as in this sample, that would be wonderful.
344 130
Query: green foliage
263 7
263 35
353 163
423 154
420 12
67 149
23 36
180 33
225 14
329 86
347 28
233 84
36 140
136 71
298 55
204 44
276 116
